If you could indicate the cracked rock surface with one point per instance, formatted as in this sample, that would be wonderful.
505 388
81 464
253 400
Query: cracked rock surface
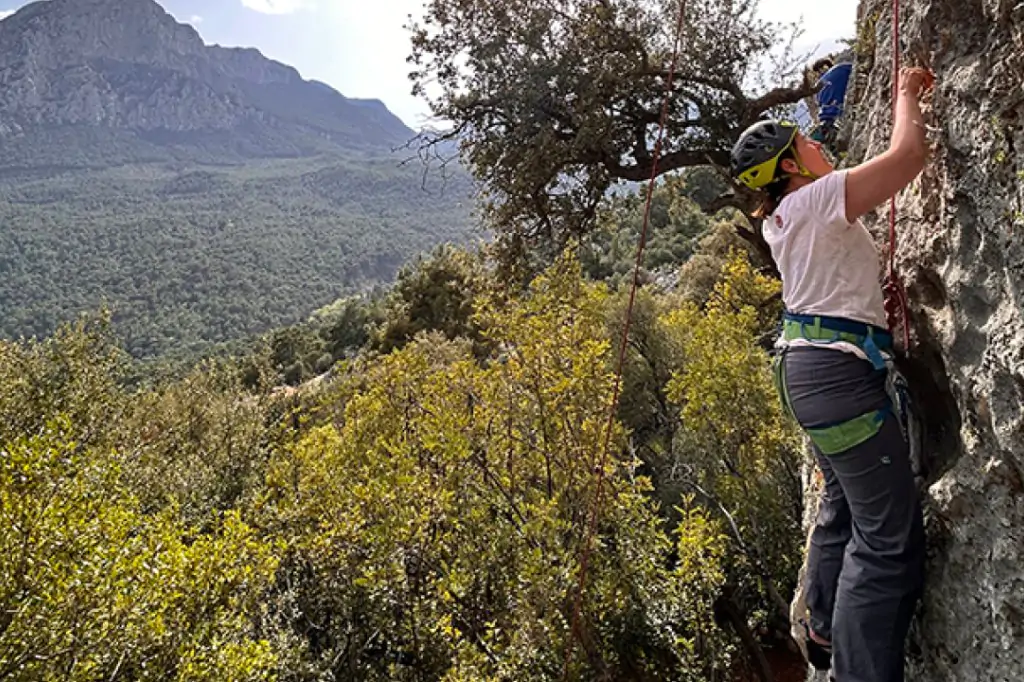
961 255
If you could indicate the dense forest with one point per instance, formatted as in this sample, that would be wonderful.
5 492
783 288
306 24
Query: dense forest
418 512
191 258
440 480
683 250
204 194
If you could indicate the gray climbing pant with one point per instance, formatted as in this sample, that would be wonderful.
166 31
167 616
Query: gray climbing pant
865 564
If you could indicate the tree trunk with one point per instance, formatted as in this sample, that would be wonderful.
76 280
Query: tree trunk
756 239
731 613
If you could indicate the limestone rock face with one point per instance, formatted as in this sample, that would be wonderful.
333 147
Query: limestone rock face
128 65
961 254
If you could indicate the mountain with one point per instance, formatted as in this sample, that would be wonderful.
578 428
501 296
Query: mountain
205 193
128 67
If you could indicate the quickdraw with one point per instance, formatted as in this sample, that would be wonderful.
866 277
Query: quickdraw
897 306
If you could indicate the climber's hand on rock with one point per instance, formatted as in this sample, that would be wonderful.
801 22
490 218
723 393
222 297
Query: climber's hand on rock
916 81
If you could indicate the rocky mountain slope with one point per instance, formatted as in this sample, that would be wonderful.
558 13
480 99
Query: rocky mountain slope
127 65
961 253
205 193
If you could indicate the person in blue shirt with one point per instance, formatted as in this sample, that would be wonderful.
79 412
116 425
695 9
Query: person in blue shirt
835 78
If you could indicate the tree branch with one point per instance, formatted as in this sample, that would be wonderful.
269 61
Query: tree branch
730 611
724 85
756 239
777 97
681 158
752 554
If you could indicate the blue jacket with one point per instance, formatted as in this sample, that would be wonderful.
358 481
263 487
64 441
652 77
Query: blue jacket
833 94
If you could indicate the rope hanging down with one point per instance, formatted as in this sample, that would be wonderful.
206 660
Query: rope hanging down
897 307
600 473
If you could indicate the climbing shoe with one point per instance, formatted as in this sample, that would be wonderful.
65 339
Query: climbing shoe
818 655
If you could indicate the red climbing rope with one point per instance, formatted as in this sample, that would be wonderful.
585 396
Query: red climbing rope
600 472
897 307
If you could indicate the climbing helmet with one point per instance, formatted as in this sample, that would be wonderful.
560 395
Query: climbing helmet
755 156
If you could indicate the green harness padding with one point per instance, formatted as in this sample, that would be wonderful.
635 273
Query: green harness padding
825 330
832 439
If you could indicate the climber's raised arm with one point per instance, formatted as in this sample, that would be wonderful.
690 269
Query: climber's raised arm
877 179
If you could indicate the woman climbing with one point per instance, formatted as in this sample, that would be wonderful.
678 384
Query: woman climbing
865 565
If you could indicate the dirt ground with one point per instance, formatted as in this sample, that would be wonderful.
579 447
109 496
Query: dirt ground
786 665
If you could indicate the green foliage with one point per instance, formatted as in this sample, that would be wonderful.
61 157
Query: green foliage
444 512
699 275
675 224
866 40
432 293
189 257
417 515
92 588
346 324
435 293
702 555
295 352
419 510
199 444
552 103
736 448
73 374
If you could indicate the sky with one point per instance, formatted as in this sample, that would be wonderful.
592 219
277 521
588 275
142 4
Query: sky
359 47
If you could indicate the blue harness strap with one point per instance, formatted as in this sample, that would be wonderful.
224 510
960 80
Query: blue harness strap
838 437
824 329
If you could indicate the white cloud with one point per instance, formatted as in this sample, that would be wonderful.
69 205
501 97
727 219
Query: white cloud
195 19
4 13
276 6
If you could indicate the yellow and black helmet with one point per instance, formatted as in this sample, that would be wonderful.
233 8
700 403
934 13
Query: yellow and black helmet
755 156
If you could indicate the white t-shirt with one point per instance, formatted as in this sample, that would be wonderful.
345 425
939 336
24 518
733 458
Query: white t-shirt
829 265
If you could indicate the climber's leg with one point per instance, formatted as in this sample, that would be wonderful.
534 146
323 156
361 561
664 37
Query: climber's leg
825 386
832 531
883 570
881 574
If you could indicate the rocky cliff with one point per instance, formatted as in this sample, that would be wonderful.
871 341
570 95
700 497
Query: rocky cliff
961 254
205 194
128 66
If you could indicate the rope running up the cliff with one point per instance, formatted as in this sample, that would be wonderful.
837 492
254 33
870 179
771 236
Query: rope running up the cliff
595 507
897 307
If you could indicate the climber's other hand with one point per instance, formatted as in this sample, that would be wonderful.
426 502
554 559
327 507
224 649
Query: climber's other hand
916 80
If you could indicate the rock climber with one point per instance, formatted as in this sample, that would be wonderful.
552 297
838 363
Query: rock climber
831 97
865 564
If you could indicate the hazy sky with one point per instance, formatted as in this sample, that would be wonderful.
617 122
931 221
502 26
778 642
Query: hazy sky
359 46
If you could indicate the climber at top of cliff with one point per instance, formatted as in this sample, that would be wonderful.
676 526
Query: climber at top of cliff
830 98
836 378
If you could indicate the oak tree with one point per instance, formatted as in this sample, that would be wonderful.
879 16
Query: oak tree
554 101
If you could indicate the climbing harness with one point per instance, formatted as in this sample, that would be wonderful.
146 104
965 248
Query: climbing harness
873 342
600 472
897 307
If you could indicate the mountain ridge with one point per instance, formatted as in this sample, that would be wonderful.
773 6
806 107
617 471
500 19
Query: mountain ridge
129 65
205 193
